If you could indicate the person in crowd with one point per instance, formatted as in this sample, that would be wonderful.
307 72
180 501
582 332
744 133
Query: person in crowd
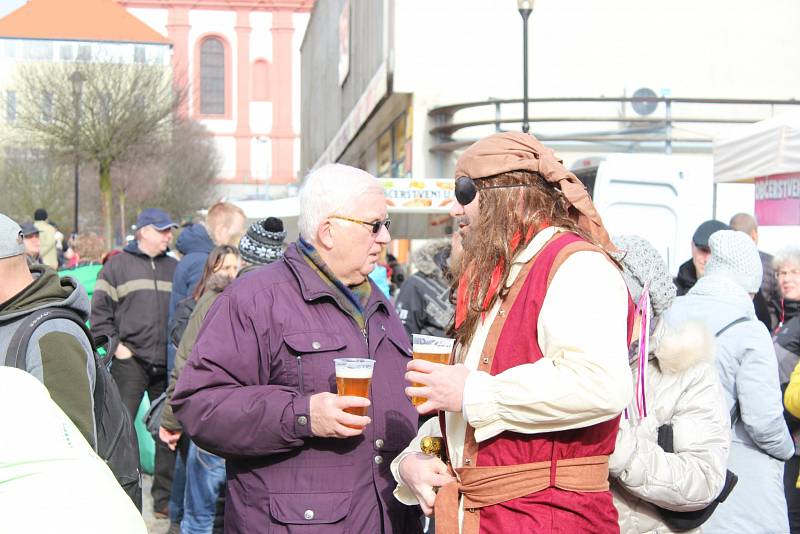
396 273
51 480
262 244
786 266
48 251
748 370
259 388
88 248
59 350
223 225
531 407
682 394
204 475
423 303
692 270
30 235
129 305
767 301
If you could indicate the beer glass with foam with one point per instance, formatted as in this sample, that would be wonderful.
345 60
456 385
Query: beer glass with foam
433 349
353 376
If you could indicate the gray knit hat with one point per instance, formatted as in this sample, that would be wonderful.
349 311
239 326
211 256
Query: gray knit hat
263 242
735 256
10 238
640 261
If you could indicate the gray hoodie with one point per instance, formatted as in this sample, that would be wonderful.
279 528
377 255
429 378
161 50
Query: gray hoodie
59 355
748 372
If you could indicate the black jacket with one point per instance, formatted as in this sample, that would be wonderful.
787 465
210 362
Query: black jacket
687 277
423 303
131 301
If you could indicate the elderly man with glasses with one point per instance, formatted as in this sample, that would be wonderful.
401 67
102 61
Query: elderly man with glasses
260 389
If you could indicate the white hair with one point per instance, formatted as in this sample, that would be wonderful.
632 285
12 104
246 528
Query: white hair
330 190
785 257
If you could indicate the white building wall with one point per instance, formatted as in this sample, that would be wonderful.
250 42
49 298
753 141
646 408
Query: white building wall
261 36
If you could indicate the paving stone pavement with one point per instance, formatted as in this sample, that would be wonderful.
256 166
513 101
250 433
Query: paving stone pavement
154 526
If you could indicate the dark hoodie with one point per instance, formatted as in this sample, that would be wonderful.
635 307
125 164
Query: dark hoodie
130 303
423 303
687 277
195 245
59 354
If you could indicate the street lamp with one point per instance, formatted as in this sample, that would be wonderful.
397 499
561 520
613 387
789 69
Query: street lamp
525 8
77 80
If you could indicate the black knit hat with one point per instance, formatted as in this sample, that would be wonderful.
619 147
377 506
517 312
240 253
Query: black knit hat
263 242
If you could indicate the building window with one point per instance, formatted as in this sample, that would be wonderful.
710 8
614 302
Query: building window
212 77
66 52
260 80
139 55
11 106
38 50
84 52
10 48
47 106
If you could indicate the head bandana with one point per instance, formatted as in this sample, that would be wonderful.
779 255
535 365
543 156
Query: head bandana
513 151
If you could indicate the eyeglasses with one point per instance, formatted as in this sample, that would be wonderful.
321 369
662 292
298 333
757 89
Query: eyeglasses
374 226
794 273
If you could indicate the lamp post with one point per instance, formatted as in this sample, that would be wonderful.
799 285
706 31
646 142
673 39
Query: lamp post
525 8
77 80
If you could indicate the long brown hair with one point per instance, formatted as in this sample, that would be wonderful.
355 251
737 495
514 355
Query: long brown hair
504 212
214 262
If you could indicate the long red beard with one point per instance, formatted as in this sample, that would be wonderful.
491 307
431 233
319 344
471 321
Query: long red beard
462 304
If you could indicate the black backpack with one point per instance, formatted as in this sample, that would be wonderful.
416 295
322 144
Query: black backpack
116 437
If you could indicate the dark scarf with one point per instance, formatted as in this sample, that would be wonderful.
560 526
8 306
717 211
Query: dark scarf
790 309
356 297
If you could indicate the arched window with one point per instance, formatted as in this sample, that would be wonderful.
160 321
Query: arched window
212 77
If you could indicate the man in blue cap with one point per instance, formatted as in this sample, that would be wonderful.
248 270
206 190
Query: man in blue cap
129 305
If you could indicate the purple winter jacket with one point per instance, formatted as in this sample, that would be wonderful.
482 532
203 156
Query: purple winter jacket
267 345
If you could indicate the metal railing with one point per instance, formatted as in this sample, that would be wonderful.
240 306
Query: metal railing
627 131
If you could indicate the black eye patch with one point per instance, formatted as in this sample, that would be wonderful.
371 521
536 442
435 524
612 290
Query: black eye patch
465 190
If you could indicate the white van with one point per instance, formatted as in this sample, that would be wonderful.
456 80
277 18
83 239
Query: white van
662 198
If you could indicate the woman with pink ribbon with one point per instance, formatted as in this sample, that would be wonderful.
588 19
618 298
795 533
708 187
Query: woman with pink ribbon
673 441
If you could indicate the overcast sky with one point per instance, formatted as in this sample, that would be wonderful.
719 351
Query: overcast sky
7 6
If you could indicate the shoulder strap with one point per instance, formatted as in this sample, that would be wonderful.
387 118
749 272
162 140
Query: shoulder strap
16 354
730 325
735 409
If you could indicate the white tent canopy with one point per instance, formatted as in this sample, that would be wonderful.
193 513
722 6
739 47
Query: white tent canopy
768 147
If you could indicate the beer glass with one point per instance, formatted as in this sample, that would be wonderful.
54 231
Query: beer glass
353 376
433 349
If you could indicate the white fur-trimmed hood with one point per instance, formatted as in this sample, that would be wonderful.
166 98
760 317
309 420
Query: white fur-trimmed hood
682 346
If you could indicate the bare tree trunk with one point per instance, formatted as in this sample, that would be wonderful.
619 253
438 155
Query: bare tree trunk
106 193
122 228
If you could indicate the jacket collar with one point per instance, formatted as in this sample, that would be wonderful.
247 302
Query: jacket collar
133 248
312 287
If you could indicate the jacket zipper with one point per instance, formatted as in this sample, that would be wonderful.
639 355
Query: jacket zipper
155 287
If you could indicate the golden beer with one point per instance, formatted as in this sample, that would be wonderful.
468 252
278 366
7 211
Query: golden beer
353 377
431 349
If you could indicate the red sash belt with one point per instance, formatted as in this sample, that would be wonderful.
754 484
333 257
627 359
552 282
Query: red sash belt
485 486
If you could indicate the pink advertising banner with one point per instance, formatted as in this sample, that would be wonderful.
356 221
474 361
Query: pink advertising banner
778 199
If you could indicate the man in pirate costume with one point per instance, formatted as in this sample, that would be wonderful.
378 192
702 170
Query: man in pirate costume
530 408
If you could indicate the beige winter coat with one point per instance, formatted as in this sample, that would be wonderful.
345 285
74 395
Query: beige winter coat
682 390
